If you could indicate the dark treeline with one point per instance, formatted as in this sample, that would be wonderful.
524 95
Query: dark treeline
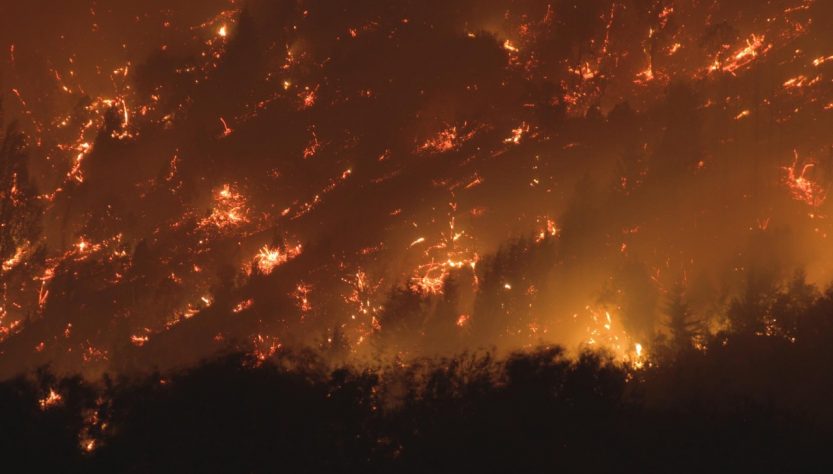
741 402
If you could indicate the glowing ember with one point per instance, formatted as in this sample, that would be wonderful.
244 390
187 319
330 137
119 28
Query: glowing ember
445 141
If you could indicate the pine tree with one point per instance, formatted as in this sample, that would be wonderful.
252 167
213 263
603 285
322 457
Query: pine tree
681 323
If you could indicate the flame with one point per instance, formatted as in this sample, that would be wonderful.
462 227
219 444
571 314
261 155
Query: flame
517 134
243 306
268 258
801 186
265 346
509 46
745 56
604 330
51 400
139 340
444 141
15 259
229 209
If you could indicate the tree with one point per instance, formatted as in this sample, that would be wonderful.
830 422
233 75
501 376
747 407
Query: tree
681 323
748 313
792 305
19 209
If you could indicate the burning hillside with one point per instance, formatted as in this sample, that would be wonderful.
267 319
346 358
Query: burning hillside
404 179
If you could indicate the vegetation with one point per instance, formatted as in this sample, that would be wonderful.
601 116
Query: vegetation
742 402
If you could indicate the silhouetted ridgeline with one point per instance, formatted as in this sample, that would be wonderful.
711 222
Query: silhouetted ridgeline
745 403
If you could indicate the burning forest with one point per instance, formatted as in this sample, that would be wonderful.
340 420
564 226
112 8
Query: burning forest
391 205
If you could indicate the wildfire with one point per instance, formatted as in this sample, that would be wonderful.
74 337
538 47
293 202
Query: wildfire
301 294
243 306
754 47
268 258
801 186
639 356
294 83
264 347
139 340
549 230
229 209
14 260
517 134
51 399
445 141
605 331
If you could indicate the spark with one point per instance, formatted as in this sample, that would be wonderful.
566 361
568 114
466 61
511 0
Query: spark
417 241
226 129
743 114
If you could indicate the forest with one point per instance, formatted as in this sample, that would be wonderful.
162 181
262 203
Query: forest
416 235
747 403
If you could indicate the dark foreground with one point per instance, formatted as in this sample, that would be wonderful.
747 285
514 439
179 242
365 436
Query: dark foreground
748 404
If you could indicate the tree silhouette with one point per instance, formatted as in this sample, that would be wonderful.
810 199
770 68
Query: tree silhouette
681 323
